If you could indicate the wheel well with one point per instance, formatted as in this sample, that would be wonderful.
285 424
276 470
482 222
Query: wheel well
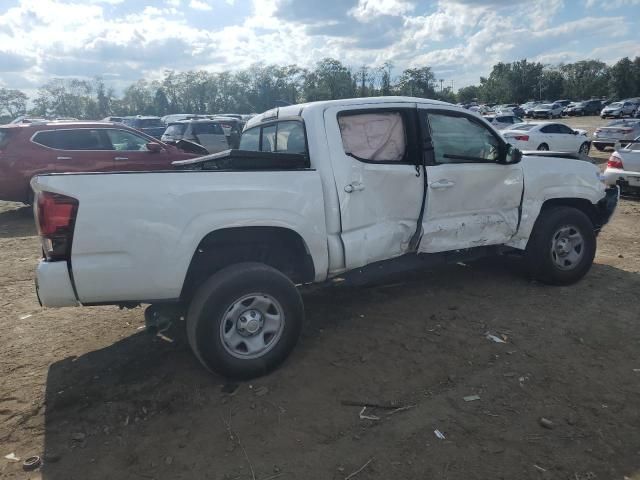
278 247
585 206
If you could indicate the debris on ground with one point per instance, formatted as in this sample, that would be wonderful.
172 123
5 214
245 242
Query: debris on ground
471 398
539 468
494 338
351 475
12 457
367 417
546 423
31 463
439 434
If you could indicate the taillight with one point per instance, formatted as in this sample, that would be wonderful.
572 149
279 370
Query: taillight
524 138
56 217
615 162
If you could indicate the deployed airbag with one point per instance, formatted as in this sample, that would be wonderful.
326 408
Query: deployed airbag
373 136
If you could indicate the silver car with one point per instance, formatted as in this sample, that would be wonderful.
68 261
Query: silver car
619 109
548 110
616 131
207 133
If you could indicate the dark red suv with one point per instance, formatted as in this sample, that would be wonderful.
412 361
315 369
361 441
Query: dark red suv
54 147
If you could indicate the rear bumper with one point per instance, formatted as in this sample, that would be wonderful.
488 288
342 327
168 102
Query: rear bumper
623 178
605 142
53 285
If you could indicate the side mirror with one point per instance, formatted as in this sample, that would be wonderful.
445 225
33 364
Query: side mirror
513 155
154 147
575 132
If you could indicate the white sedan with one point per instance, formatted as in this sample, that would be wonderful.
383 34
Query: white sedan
623 167
556 137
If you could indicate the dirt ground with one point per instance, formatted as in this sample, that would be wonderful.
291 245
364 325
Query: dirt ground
99 398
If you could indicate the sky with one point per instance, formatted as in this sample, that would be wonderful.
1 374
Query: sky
125 40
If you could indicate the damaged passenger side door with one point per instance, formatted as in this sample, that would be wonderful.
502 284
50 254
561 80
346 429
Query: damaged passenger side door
473 194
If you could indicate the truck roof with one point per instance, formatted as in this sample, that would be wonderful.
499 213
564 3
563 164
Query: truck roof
296 110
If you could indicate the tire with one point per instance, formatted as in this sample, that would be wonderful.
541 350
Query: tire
600 148
225 300
584 148
543 147
550 256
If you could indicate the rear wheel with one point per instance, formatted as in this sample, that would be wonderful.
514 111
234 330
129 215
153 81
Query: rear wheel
245 320
562 246
543 147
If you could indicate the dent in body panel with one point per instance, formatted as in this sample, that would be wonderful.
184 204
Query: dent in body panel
477 230
552 178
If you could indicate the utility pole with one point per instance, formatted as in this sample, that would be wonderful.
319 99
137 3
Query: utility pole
441 82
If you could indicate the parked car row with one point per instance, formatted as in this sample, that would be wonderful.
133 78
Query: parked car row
546 109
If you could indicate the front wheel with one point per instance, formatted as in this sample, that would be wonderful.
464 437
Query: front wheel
562 246
584 148
245 320
543 147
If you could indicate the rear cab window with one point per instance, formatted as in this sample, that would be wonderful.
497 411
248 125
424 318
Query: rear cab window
286 136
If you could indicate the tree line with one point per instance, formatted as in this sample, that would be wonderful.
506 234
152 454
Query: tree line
261 87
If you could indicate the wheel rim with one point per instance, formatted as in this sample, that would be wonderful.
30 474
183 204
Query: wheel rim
543 148
584 148
252 326
567 247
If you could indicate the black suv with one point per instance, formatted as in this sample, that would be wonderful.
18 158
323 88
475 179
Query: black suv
586 107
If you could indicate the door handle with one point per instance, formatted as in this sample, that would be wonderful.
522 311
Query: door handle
442 184
354 187
63 158
121 158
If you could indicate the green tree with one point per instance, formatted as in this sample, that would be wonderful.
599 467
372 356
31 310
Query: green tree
585 79
12 102
417 82
469 94
622 79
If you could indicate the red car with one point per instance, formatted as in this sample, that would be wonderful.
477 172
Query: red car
53 147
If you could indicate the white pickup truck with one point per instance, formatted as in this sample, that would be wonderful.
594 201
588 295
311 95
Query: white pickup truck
346 188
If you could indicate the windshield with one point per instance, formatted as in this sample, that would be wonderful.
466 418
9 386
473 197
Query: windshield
547 106
523 126
616 104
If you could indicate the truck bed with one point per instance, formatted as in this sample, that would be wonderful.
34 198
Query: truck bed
136 232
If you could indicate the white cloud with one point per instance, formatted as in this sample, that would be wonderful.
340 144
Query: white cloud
200 5
366 10
459 39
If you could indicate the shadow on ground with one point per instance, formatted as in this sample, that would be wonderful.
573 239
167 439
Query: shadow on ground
17 222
